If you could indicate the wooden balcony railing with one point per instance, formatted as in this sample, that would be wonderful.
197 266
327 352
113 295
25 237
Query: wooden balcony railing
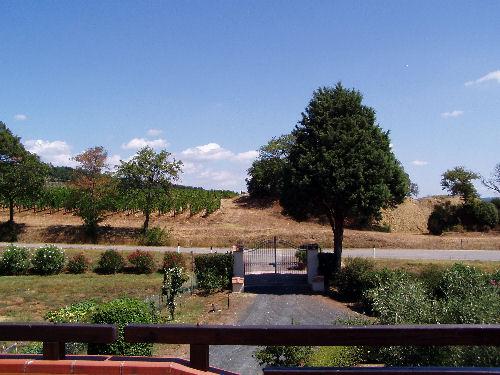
201 337
54 336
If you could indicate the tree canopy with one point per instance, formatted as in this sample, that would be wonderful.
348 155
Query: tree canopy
341 164
266 172
149 176
458 181
22 174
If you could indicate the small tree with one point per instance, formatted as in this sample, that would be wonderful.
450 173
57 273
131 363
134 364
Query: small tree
413 189
173 278
93 187
458 181
341 164
22 174
266 172
148 176
493 182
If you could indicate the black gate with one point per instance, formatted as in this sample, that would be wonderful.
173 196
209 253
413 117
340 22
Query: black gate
275 256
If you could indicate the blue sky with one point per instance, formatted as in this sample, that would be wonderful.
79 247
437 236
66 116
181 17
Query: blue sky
211 81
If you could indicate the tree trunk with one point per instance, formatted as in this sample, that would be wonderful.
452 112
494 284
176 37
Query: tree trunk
146 221
338 237
11 212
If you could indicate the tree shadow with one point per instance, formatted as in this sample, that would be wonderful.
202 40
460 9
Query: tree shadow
246 201
77 234
9 232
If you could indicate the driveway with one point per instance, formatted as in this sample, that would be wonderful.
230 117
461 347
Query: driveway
271 309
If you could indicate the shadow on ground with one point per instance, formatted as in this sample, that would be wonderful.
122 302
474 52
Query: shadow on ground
76 234
278 284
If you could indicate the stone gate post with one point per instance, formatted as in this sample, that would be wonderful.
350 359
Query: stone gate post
313 279
238 269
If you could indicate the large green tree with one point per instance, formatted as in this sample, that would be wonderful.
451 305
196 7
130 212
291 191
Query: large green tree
341 164
458 181
266 172
148 176
22 174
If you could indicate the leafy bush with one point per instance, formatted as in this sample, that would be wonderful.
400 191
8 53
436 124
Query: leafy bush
431 276
15 260
80 312
78 264
283 356
172 259
301 256
443 218
142 262
110 262
48 260
155 237
460 281
478 215
496 202
398 298
122 312
355 278
213 271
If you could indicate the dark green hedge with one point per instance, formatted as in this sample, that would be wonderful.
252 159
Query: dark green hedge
213 271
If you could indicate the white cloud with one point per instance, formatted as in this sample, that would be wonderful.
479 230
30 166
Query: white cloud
491 76
55 152
138 143
20 117
113 161
154 132
210 151
391 145
454 113
419 163
247 155
214 151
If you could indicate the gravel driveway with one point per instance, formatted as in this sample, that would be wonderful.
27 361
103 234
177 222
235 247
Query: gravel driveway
271 309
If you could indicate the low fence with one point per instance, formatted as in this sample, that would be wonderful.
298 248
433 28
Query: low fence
200 337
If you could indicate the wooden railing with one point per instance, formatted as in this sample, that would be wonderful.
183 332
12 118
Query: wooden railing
54 336
201 337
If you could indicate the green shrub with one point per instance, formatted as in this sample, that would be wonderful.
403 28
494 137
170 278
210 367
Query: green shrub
155 237
110 262
78 264
496 202
355 278
213 271
431 276
443 218
173 278
15 260
122 312
142 262
172 259
460 281
301 256
478 215
48 260
398 299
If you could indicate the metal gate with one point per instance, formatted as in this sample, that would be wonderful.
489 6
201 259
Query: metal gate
275 256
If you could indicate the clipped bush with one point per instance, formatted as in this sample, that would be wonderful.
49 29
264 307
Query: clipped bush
355 278
172 259
110 262
48 260
142 262
15 260
79 263
122 312
326 265
155 237
213 271
443 218
283 356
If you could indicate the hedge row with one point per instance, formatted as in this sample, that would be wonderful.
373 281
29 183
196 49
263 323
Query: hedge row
51 260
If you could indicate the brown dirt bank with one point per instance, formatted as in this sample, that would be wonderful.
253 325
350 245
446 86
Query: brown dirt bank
239 220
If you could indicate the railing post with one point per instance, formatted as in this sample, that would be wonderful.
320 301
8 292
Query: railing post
54 350
199 356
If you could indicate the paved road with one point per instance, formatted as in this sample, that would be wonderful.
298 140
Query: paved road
484 255
272 309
